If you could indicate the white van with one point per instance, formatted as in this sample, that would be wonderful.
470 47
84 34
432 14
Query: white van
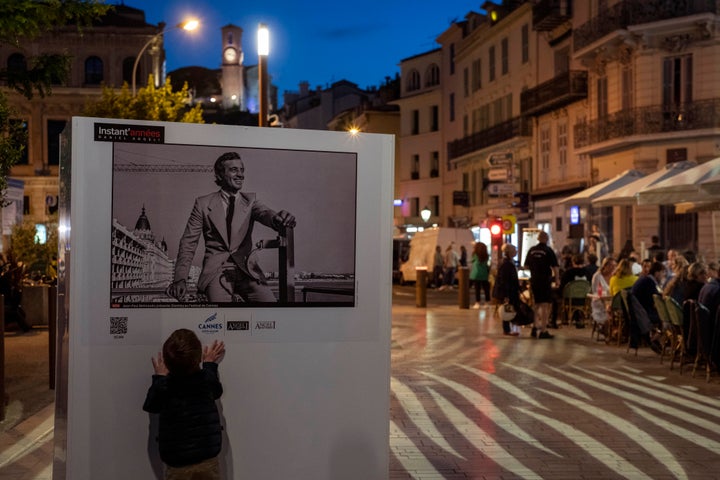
422 249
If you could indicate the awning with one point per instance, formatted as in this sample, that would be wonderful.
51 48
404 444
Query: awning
711 185
683 187
627 195
587 195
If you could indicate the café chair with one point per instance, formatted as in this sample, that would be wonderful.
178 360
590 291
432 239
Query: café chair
666 340
675 312
575 301
703 328
633 325
616 322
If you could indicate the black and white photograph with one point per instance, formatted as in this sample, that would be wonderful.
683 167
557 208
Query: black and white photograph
199 226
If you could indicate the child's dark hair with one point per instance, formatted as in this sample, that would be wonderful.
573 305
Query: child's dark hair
182 352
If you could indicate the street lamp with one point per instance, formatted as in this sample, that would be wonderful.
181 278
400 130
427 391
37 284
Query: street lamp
188 25
263 45
425 214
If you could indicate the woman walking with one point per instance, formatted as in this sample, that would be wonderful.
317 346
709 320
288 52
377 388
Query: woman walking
480 272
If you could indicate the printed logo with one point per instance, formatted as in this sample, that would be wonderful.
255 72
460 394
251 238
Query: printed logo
238 325
211 324
265 325
116 132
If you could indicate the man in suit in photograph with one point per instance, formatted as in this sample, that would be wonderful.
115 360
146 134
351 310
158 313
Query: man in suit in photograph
225 219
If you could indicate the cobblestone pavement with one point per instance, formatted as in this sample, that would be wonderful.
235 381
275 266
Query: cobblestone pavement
468 402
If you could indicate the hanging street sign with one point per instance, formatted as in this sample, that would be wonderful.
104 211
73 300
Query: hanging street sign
508 224
498 174
500 159
501 188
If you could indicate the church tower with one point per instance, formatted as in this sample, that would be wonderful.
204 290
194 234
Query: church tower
233 87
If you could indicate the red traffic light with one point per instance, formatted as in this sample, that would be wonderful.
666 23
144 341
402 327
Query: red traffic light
496 228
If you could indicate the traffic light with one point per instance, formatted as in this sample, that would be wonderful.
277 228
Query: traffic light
496 232
521 200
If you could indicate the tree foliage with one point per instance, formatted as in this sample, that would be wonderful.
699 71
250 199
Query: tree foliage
150 103
26 19
35 256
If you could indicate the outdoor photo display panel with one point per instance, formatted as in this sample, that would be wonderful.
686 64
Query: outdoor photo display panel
306 373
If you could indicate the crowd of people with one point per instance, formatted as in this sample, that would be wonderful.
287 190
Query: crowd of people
669 273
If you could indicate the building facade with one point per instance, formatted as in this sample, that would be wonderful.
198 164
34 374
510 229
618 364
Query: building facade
104 53
542 99
421 163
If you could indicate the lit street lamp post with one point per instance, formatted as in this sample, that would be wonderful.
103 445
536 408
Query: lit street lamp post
263 51
425 214
188 25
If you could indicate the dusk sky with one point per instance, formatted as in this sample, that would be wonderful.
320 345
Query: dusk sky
319 41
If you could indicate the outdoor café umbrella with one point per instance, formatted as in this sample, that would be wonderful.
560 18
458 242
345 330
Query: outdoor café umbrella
604 188
684 187
627 195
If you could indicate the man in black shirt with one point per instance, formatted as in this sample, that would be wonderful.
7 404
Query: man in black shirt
544 270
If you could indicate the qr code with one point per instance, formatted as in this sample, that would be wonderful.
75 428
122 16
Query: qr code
118 325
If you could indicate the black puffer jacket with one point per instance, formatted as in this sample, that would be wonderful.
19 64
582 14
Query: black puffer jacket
190 429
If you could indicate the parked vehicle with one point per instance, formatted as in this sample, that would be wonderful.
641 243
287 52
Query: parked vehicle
401 251
422 249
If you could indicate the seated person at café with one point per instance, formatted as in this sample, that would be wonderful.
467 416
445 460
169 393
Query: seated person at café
696 278
600 285
647 286
576 272
622 277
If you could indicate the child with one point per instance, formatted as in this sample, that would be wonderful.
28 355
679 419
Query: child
190 433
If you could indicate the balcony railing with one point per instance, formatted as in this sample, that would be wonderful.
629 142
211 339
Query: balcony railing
636 12
548 14
515 127
565 88
649 120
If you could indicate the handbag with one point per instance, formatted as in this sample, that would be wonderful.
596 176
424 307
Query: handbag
525 315
507 312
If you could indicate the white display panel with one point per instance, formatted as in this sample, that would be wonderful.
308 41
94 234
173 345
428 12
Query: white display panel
306 378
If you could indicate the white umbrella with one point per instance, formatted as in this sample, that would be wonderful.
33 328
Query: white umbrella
683 187
627 195
587 195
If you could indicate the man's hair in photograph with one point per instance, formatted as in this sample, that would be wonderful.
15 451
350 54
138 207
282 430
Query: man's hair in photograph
219 168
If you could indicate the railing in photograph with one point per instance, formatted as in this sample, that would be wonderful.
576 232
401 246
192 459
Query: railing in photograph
515 127
649 120
565 88
636 12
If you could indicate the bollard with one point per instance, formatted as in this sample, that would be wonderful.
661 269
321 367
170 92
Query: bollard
463 287
421 277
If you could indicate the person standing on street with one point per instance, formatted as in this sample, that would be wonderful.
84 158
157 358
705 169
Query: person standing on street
544 270
451 263
507 286
438 262
480 272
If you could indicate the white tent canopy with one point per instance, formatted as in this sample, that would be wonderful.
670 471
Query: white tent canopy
604 188
684 187
627 195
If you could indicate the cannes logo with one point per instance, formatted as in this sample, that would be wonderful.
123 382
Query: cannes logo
211 324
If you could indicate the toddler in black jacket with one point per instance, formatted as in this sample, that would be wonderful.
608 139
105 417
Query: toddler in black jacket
184 394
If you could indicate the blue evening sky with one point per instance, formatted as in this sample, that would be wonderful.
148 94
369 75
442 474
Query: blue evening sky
318 41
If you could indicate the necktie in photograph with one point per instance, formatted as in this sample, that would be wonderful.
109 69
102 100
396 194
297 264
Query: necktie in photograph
229 216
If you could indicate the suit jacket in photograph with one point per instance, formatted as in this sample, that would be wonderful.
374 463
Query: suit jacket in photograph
208 218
